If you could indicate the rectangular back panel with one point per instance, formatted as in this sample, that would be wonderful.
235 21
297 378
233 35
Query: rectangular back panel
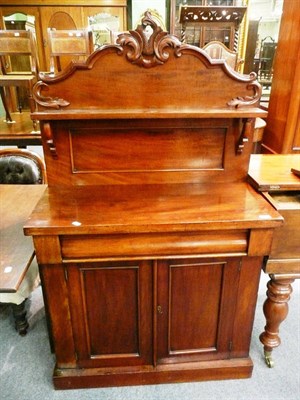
146 151
172 149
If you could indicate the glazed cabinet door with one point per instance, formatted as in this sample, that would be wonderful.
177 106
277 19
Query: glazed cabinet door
111 313
105 22
196 304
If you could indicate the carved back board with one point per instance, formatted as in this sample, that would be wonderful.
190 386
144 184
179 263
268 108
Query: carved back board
147 110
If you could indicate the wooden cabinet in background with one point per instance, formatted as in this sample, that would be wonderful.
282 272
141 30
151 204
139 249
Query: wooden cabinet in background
200 22
282 133
63 15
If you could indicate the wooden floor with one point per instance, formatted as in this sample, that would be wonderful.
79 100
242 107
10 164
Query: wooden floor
20 132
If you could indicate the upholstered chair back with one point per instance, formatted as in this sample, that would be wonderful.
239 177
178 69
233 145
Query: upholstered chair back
20 166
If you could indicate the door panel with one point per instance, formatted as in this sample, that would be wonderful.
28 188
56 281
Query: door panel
111 309
112 320
195 309
194 291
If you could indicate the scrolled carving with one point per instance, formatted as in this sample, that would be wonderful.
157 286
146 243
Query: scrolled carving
148 43
248 100
44 101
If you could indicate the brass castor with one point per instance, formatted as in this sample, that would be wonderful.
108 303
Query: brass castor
268 359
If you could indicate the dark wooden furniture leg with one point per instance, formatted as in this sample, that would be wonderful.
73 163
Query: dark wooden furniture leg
20 316
276 310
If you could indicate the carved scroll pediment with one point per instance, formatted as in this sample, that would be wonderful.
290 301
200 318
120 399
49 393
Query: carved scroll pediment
146 46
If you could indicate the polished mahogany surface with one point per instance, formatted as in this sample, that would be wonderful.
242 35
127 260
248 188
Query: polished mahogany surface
149 208
143 221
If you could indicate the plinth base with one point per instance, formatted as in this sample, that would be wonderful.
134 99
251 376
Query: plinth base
148 375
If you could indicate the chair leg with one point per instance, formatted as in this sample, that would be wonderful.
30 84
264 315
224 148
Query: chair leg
18 98
32 106
20 316
3 98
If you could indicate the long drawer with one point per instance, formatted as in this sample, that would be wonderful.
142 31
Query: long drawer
158 244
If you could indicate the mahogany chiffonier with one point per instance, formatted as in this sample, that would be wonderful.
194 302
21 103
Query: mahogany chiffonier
149 239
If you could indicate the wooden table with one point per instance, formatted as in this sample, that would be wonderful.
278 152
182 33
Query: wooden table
17 252
271 175
19 132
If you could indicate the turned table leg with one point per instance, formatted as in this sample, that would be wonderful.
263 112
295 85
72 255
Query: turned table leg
275 310
19 313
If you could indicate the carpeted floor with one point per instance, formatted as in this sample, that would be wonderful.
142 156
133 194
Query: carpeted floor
26 365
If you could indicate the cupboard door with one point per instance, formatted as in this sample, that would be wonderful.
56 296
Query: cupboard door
111 312
196 303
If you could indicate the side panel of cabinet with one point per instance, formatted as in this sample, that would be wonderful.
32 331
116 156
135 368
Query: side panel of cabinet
282 132
111 311
55 292
195 309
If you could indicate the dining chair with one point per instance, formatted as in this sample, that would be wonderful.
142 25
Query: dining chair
218 50
19 66
21 166
68 45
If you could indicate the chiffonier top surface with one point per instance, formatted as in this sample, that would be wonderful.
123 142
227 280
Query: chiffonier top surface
149 208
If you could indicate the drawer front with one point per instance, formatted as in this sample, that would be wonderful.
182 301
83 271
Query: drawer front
154 245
